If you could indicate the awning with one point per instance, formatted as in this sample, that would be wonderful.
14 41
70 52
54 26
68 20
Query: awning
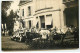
48 20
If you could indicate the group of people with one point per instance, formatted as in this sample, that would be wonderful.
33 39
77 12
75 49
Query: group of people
46 34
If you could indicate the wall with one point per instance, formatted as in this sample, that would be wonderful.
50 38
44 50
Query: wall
45 7
26 17
56 8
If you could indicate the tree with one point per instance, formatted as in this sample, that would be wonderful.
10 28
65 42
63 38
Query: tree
4 16
10 21
5 6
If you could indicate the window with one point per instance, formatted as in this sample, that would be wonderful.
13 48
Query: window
23 24
37 24
29 10
42 20
22 12
30 24
49 21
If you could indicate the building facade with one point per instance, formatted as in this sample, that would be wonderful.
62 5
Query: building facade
49 14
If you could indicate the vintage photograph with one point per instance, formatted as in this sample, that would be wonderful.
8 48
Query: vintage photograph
39 25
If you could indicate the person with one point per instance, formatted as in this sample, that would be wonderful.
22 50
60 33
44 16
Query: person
52 33
76 34
45 34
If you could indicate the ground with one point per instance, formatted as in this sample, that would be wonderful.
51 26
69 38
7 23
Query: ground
8 44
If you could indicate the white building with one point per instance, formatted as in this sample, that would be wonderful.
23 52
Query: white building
49 13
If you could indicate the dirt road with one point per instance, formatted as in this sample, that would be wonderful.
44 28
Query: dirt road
8 44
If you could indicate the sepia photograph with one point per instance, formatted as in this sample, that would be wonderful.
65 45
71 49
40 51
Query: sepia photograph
28 25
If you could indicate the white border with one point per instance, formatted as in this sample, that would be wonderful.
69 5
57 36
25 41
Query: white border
41 51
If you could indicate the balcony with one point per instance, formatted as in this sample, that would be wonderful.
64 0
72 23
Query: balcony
70 1
44 9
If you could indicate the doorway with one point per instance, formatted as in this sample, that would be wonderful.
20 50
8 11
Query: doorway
71 15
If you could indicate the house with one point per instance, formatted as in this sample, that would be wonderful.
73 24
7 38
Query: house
49 14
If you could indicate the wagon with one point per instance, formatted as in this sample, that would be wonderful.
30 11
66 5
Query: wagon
30 36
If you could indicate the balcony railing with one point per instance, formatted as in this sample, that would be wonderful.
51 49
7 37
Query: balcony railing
69 1
44 9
